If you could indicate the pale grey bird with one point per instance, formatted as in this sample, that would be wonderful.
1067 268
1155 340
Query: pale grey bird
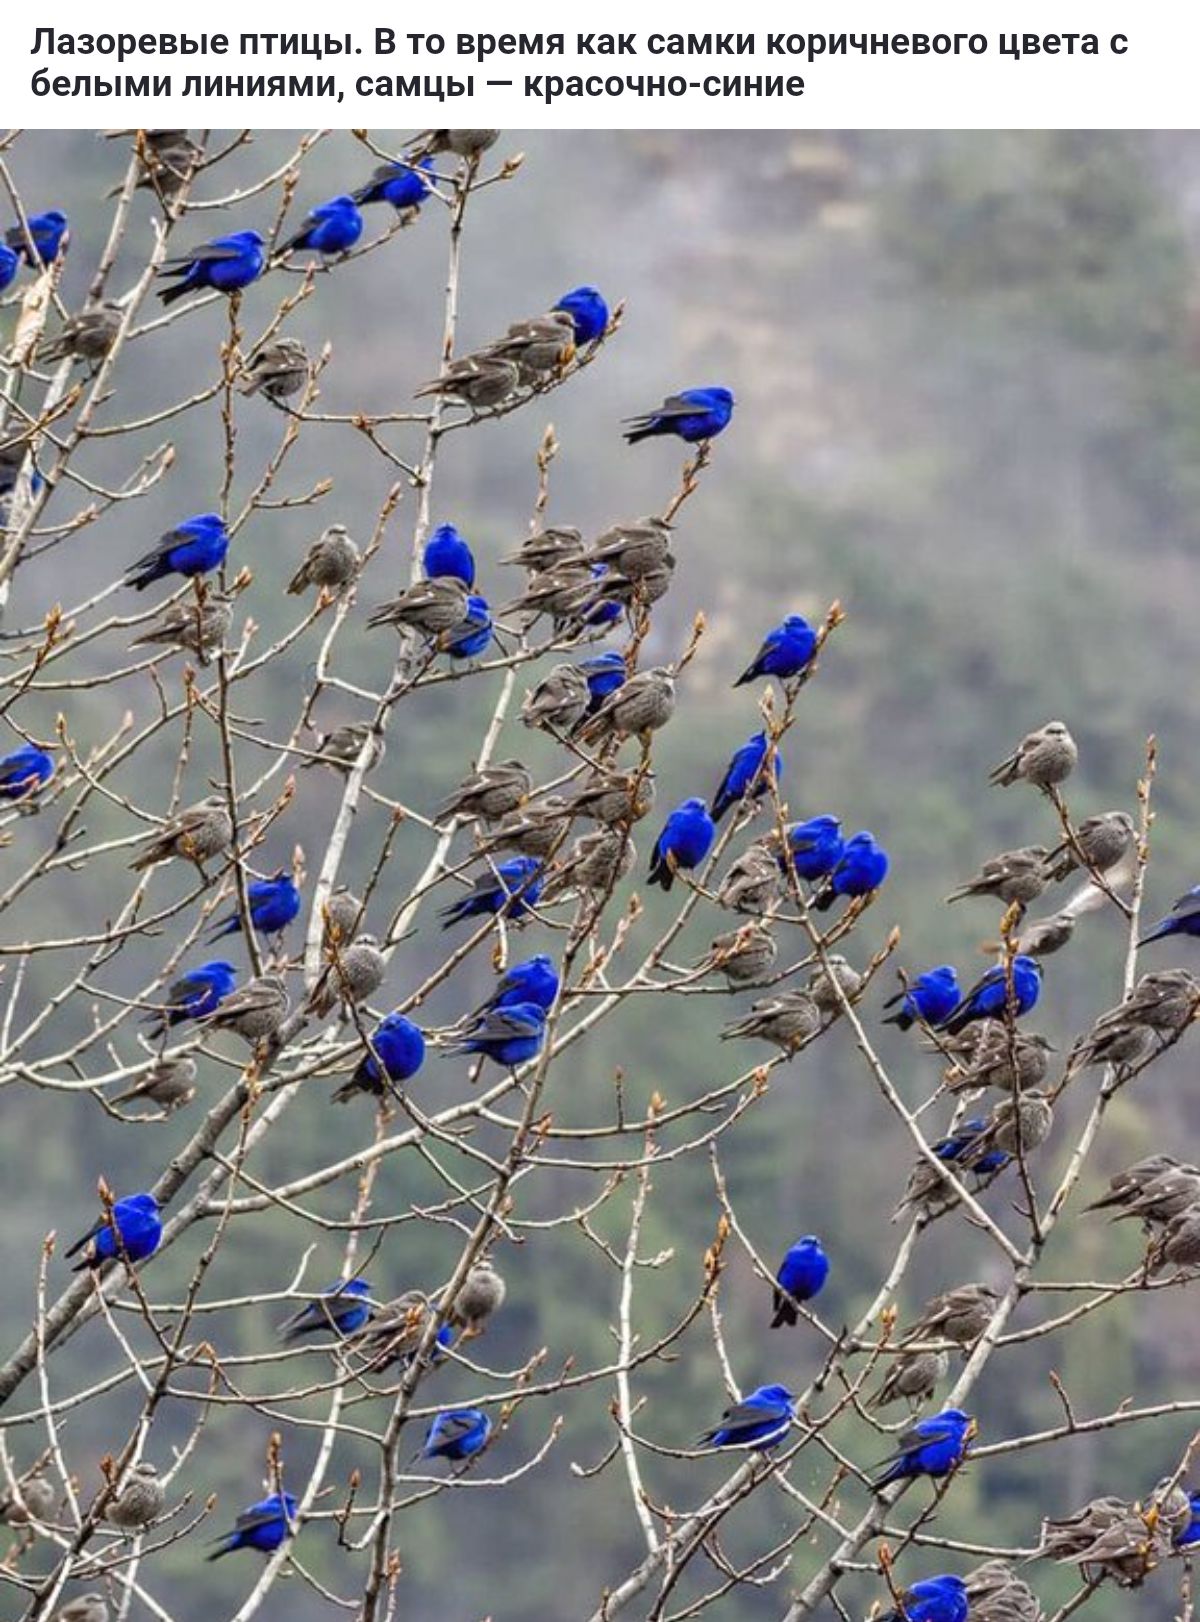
463 143
197 834
914 1377
433 607
189 627
481 1294
645 703
998 1057
1104 841
1044 758
1015 1126
753 884
166 159
140 1502
342 747
1113 1040
628 591
331 563
594 863
742 955
613 797
1014 875
87 336
356 974
480 381
1108 1536
559 701
342 912
395 1330
537 829
35 1500
556 590
960 1315
1163 1198
996 1594
278 370
87 1608
557 543
1179 1244
489 794
634 549
1127 1185
789 1020
254 1011
1165 999
538 347
170 1083
1042 936
821 984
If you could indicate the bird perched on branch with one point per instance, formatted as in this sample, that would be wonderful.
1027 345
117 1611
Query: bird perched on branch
469 144
815 847
128 1231
278 370
166 159
858 872
351 978
32 1498
341 1309
961 1315
785 653
197 834
747 775
264 1526
933 1447
193 995
479 1297
192 548
802 1275
1018 985
254 1011
914 1376
930 998
639 706
693 415
489 794
589 313
457 1434
510 890
190 626
329 229
140 1502
684 842
559 701
433 607
227 264
480 381
759 1422
1183 919
1014 876
49 235
742 955
789 1021
1044 758
1100 844
169 1082
25 770
447 555
273 904
753 883
934 1599
87 336
342 747
396 1053
404 185
331 563
510 1035
994 1056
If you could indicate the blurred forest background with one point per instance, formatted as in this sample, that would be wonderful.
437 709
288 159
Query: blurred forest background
968 380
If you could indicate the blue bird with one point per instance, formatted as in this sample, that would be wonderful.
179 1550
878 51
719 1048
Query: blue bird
274 902
456 1434
535 980
226 264
331 228
399 1046
1183 919
342 1309
589 312
958 1147
684 842
512 889
135 1219
605 672
759 1421
933 1447
192 548
1189 1536
474 632
606 610
988 998
194 995
933 1599
24 771
786 652
932 997
816 847
10 263
446 553
801 1275
859 871
51 236
509 1036
745 775
693 415
405 186
264 1526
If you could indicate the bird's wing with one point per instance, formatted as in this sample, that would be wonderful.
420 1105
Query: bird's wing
918 1436
260 1515
452 1427
90 1234
673 407
744 1414
208 253
1187 906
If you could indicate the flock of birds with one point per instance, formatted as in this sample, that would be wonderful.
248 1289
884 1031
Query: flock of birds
598 703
